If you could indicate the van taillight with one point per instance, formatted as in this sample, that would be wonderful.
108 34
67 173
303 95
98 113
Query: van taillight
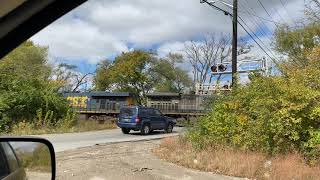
137 119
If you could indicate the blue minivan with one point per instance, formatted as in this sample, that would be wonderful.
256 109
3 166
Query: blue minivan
144 119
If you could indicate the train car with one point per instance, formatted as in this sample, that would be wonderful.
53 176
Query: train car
175 103
97 103
101 105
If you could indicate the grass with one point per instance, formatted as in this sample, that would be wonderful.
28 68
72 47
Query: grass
24 128
38 159
237 163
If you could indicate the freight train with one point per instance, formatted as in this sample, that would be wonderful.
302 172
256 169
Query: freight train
100 105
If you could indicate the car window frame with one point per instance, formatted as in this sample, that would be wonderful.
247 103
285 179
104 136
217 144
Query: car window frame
11 169
2 153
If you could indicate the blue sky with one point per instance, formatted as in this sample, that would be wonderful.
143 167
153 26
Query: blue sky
102 29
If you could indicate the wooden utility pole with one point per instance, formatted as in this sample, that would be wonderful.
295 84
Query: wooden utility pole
234 42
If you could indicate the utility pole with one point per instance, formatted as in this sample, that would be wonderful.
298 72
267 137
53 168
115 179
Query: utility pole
234 16
234 42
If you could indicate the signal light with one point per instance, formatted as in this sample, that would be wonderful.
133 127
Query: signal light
214 68
137 119
222 68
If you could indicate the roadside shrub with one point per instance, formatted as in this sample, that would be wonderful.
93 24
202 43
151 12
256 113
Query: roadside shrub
271 114
68 121
23 127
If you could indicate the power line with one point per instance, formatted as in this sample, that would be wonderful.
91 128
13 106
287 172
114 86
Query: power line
217 8
265 10
255 21
262 18
229 14
256 42
254 34
261 30
285 9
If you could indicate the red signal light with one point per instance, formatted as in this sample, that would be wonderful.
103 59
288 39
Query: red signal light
214 68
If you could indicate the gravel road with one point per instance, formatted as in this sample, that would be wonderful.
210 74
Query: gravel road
123 161
69 141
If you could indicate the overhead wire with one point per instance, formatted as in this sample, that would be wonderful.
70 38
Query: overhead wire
260 30
286 10
254 34
255 22
274 9
273 59
250 35
265 10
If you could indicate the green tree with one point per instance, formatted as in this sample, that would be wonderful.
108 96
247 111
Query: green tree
128 73
168 76
25 86
296 43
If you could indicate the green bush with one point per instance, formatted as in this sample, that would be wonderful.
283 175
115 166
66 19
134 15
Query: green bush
271 114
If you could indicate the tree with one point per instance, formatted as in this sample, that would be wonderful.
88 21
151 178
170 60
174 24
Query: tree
25 86
295 43
68 79
168 76
128 73
102 79
203 55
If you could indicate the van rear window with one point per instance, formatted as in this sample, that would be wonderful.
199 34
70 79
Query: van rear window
128 111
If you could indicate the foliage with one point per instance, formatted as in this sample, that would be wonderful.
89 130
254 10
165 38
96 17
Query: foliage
140 72
39 159
67 78
278 114
68 121
271 115
25 87
127 73
168 76
296 43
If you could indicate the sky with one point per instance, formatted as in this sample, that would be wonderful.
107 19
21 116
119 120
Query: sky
102 29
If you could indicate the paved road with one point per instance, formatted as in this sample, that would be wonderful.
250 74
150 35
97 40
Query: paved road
69 141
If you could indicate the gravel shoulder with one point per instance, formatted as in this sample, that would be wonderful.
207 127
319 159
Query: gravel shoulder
123 161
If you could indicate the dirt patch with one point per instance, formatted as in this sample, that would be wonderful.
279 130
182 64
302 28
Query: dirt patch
34 175
123 161
236 163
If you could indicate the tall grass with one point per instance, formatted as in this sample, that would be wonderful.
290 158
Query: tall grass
235 162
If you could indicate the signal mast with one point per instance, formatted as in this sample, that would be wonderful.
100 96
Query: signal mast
220 70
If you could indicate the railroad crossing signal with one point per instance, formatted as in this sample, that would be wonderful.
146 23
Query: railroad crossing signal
218 68
223 68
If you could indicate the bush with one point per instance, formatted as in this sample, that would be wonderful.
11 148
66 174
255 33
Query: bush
271 114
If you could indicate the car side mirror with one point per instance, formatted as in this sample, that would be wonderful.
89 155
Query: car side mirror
27 158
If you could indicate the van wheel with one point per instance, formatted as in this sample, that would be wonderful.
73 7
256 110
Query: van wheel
125 130
145 129
169 128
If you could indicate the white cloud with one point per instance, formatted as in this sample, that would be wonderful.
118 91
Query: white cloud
79 40
105 28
